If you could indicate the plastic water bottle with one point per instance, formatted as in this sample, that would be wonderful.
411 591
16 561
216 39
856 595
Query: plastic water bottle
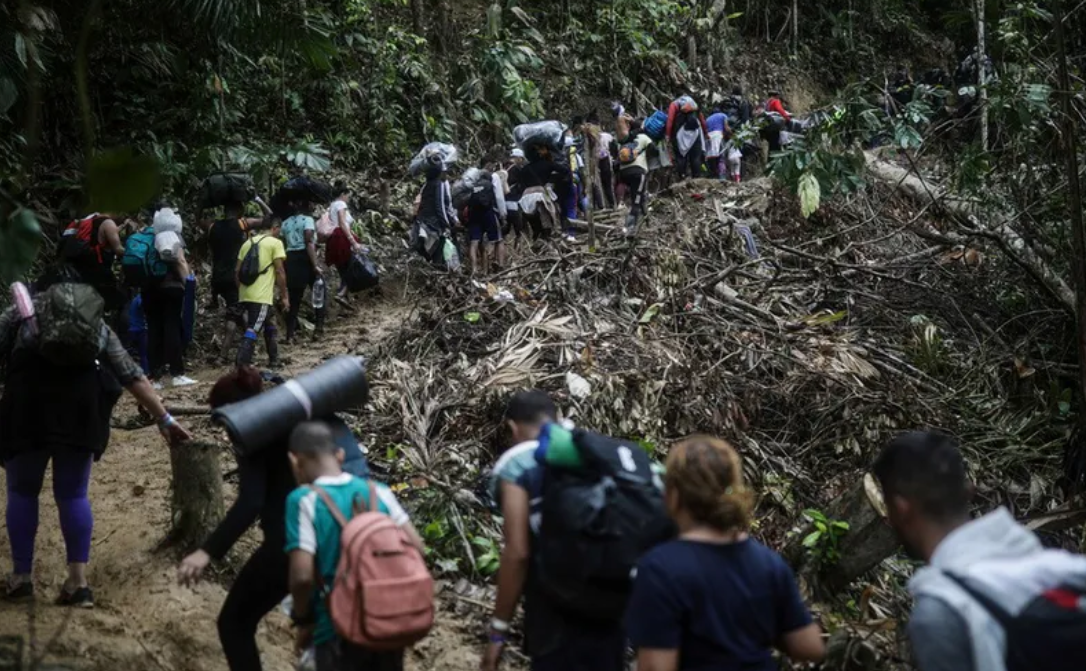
320 290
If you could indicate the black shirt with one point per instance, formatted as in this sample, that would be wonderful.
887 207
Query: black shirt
543 172
225 238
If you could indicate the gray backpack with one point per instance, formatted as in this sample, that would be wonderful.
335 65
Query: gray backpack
70 323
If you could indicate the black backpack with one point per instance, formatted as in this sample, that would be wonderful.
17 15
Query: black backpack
597 521
482 194
1047 634
250 271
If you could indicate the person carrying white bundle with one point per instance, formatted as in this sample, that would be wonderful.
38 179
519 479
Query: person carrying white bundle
163 302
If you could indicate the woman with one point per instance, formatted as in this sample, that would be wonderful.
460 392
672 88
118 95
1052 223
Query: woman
265 481
341 244
435 215
163 303
715 598
300 240
537 201
56 413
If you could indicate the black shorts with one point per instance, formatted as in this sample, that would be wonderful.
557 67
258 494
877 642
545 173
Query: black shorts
258 317
227 289
484 223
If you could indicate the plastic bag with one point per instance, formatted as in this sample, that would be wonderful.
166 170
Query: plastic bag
451 256
432 154
361 273
223 188
546 133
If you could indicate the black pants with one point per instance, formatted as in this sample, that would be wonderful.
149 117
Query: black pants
300 276
162 308
692 162
603 194
637 182
259 587
227 290
339 656
258 317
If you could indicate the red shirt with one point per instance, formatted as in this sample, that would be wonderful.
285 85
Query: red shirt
774 105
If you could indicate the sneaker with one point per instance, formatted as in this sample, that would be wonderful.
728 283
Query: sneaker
156 385
571 238
184 381
18 590
81 597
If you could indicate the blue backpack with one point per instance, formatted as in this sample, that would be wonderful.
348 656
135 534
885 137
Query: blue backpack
656 125
141 263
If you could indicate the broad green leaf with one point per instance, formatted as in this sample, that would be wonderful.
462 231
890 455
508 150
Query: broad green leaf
472 317
121 181
810 194
812 539
650 313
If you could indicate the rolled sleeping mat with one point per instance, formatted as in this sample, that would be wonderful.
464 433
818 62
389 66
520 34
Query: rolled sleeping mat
339 384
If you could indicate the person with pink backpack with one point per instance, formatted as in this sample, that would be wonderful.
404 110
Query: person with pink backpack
361 591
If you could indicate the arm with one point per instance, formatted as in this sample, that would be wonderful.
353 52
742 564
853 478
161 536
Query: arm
237 273
252 489
801 639
110 236
672 112
499 196
657 660
263 206
255 223
303 582
183 264
281 282
204 222
513 570
806 645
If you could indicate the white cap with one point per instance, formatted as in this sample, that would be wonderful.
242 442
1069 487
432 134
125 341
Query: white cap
518 152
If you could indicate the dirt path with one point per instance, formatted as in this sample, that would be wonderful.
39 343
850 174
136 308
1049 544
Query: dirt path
143 620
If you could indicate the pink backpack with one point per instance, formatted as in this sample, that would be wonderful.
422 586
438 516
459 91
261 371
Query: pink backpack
383 595
325 227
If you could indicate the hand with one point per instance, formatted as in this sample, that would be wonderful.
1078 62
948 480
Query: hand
172 431
285 302
491 656
356 247
303 637
192 567
319 271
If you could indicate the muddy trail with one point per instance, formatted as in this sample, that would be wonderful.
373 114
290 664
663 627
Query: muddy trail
143 619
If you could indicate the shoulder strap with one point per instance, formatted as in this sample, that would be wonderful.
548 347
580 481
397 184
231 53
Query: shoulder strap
337 514
999 613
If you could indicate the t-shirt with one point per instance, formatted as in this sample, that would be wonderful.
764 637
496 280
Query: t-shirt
722 606
225 238
333 213
263 290
641 143
294 229
939 636
311 528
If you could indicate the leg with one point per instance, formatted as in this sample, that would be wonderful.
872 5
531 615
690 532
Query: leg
152 312
260 586
71 476
271 341
607 183
25 474
255 314
296 293
473 254
173 304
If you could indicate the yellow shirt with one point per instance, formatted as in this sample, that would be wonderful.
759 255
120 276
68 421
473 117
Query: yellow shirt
263 290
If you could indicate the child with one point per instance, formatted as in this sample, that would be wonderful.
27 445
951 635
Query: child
313 546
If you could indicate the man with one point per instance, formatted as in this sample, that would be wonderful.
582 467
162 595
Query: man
927 497
225 238
776 106
258 298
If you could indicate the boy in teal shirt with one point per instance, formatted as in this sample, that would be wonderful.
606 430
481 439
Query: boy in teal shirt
313 546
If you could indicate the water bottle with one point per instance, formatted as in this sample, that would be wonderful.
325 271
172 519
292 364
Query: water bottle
320 290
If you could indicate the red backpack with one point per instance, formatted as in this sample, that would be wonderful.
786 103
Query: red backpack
383 594
81 237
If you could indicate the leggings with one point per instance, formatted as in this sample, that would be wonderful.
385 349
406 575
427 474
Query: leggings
300 276
162 308
637 183
71 475
259 587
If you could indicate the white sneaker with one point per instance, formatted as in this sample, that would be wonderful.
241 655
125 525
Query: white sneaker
571 238
183 381
157 386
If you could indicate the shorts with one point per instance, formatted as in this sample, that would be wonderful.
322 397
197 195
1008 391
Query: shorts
227 289
258 317
484 223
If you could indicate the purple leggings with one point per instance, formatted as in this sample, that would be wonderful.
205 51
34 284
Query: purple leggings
71 475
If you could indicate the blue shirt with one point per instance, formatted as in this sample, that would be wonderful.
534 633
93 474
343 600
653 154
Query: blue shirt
294 229
723 607
311 528
716 122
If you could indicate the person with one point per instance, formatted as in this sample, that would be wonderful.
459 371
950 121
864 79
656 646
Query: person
555 641
719 134
313 545
568 191
486 216
776 106
137 333
737 107
300 241
604 193
258 298
685 131
992 558
225 238
537 203
715 598
435 215
163 303
513 195
94 259
61 414
634 173
342 244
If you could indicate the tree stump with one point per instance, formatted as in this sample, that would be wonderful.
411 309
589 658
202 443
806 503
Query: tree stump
196 504
869 539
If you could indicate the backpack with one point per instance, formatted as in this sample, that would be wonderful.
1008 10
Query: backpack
80 239
69 319
482 194
628 153
325 227
141 262
597 521
383 594
656 125
1047 633
249 271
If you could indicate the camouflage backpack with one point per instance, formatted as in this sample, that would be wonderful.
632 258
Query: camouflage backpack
69 318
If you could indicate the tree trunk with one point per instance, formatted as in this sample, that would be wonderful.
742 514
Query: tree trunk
418 17
982 75
592 163
196 505
442 28
795 27
867 542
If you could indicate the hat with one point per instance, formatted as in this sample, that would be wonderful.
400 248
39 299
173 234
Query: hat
517 152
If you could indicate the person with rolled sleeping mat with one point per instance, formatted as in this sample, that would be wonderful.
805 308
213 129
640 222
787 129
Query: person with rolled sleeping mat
260 269
65 372
302 268
265 482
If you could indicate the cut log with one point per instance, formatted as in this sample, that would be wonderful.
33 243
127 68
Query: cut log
869 539
196 503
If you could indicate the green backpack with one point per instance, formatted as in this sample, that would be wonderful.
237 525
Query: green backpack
70 322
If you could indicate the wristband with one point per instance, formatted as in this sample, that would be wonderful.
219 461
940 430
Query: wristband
499 625
166 421
496 638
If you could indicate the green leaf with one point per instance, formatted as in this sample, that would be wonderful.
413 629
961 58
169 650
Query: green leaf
121 181
810 193
812 539
472 317
20 48
651 312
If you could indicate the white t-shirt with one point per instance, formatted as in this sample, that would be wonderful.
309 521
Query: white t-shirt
333 213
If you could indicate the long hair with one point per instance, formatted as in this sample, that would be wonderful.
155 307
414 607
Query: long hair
235 386
707 476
